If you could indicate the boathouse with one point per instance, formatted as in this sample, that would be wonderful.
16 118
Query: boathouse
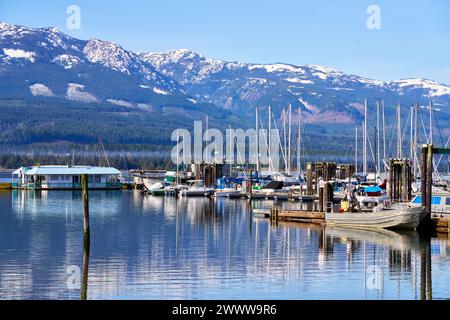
65 177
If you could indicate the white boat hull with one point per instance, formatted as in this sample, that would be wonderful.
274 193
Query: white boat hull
400 218
201 192
228 193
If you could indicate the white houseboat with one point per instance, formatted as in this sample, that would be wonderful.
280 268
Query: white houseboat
65 177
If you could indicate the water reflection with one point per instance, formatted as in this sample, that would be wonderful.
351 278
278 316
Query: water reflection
198 248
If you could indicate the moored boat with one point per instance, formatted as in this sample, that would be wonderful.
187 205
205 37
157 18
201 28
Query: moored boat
228 193
56 177
399 216
197 189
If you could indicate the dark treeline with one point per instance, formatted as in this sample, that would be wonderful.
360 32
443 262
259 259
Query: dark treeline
13 161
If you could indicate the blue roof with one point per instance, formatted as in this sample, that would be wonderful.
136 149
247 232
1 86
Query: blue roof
373 189
60 170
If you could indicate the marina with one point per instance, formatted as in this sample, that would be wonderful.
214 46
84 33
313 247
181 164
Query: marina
203 248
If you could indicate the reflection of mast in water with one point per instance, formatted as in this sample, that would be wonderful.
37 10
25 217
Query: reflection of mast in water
399 261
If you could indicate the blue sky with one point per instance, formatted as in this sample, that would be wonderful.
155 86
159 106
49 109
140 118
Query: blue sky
414 39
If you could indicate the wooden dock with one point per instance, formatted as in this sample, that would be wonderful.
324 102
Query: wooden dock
442 225
277 214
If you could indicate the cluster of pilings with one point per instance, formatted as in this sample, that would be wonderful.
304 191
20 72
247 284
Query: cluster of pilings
345 171
209 173
400 180
316 171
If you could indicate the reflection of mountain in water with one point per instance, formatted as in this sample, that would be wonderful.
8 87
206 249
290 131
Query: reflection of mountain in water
150 247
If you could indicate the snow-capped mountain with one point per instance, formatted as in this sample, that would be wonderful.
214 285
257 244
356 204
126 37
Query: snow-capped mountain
70 61
324 94
45 68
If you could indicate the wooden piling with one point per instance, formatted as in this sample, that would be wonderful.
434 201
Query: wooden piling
325 196
321 196
250 186
423 169
309 182
84 188
84 281
86 237
429 178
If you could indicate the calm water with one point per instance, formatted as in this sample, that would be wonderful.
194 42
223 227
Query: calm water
164 248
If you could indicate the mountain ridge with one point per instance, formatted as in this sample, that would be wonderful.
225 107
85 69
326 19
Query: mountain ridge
47 65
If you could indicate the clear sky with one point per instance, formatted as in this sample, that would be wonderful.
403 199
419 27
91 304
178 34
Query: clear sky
414 39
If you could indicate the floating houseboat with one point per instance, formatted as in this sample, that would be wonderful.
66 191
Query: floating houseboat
65 177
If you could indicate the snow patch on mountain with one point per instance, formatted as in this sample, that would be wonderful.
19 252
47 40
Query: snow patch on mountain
309 106
277 67
155 90
67 61
297 80
121 103
39 89
75 92
19 54
434 88
159 91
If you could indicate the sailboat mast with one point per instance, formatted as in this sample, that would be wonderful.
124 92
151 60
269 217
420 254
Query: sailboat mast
431 122
178 160
284 141
378 138
399 133
268 134
411 134
384 133
257 141
416 120
289 139
365 139
299 140
356 149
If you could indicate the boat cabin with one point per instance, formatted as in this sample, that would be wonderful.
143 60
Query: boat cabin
440 204
65 177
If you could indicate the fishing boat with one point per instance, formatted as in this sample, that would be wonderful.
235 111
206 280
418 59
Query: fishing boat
196 188
400 216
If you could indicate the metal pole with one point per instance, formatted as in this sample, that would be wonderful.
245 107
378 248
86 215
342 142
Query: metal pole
356 149
365 139
416 160
399 133
431 122
289 139
299 139
384 132
257 142
378 139
270 127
